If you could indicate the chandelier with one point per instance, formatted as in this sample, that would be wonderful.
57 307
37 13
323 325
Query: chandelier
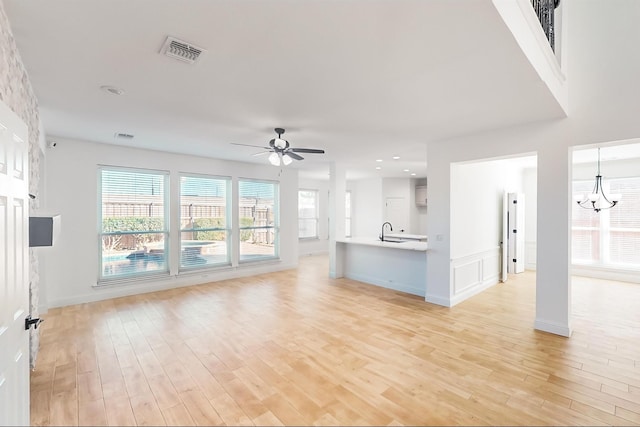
597 200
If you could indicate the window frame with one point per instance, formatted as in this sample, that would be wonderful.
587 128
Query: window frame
348 213
604 231
316 214
228 229
275 226
166 198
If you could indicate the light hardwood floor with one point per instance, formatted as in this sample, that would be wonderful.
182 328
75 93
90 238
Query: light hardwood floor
297 348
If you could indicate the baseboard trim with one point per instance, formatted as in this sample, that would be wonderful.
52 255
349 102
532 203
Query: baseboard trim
396 286
553 328
434 299
473 290
104 292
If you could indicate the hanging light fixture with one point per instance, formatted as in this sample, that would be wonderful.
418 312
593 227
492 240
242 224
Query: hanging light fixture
274 159
597 200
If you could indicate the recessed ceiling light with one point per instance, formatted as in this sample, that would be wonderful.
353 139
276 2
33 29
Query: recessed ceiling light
396 157
112 90
413 174
378 160
405 170
378 168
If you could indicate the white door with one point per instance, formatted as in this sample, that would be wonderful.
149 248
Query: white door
396 211
516 232
504 243
14 270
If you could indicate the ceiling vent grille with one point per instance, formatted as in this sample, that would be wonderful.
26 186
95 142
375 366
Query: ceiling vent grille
120 135
181 50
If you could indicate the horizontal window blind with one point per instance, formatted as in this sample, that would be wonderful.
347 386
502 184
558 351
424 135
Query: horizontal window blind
307 214
133 227
611 237
204 221
258 222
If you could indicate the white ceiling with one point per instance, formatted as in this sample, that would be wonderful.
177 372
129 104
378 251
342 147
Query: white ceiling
361 79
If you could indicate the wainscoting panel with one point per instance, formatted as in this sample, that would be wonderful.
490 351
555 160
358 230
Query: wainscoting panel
466 275
474 273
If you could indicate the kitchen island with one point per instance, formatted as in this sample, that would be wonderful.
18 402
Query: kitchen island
398 265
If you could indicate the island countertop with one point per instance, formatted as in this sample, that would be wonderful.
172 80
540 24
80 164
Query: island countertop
411 245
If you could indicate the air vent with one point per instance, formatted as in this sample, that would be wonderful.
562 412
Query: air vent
123 136
181 50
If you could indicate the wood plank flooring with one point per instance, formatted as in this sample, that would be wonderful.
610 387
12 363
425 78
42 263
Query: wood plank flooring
296 348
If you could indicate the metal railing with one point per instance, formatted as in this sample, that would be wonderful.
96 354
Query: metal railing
545 11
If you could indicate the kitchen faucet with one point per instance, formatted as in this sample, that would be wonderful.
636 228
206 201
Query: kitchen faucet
382 233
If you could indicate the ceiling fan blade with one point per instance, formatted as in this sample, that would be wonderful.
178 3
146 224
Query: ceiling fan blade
307 150
249 145
293 155
261 153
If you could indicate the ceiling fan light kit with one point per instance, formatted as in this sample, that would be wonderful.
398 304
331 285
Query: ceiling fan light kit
281 151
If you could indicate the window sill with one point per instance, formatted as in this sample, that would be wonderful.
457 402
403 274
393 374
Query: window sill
308 239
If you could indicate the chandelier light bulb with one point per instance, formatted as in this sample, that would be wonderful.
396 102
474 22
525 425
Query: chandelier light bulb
274 159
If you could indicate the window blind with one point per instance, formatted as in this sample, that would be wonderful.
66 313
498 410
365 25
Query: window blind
307 214
611 237
258 219
133 229
204 221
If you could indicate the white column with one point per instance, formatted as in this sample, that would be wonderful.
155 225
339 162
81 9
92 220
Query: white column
553 282
439 283
337 218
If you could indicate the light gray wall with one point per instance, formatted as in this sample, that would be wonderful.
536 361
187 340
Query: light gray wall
72 177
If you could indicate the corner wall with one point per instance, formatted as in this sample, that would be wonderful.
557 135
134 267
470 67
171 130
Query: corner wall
477 193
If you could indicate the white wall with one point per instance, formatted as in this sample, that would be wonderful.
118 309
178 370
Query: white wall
321 244
477 193
601 72
366 205
529 180
399 188
72 180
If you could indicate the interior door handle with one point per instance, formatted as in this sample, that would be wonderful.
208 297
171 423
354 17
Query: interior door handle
28 321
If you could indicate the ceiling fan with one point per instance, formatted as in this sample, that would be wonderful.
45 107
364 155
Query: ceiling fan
281 151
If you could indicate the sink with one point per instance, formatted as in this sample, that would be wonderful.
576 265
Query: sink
392 240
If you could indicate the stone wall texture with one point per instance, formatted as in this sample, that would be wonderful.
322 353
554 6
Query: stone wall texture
17 93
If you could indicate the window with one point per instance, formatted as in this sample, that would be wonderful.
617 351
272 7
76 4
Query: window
347 214
308 214
132 223
205 228
258 224
610 238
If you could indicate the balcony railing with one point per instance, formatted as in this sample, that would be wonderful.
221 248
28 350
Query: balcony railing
545 11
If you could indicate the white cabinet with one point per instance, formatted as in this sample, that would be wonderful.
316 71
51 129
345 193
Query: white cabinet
421 195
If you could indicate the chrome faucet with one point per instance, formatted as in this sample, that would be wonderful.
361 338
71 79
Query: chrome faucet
382 233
